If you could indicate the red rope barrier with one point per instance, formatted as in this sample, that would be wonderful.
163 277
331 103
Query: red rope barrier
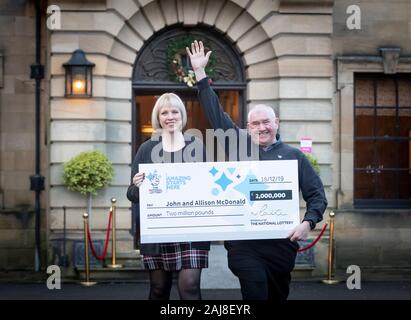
315 241
93 250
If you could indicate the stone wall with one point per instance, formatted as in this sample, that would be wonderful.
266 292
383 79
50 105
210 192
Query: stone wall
383 23
17 146
375 240
281 69
286 49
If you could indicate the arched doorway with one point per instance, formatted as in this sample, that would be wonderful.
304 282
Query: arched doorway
154 75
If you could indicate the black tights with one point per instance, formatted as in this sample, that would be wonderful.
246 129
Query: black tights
188 284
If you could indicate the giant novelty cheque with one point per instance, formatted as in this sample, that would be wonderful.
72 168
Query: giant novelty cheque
213 201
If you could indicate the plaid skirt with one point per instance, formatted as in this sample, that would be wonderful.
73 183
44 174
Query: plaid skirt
177 256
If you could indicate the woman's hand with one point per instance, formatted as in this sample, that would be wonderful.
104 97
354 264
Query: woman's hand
138 179
198 59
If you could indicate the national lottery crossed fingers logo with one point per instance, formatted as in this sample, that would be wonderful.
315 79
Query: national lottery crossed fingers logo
155 180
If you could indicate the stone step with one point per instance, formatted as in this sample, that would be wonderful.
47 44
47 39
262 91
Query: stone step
131 268
138 274
381 273
217 276
131 259
302 271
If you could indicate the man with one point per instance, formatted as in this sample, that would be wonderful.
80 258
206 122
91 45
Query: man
263 266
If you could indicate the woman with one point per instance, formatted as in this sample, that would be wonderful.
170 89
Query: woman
168 119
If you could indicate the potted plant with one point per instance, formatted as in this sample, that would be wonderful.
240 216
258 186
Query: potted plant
88 172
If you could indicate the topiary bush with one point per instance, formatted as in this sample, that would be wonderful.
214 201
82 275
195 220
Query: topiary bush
88 172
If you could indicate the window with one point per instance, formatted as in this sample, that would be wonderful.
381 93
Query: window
382 142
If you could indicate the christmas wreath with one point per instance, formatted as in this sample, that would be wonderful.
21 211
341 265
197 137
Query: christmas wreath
178 62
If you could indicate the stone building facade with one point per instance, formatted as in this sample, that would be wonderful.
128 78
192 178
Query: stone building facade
298 56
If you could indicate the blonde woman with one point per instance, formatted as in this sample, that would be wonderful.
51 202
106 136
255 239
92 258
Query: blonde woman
169 117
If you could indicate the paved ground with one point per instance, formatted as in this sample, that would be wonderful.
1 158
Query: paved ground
217 282
300 290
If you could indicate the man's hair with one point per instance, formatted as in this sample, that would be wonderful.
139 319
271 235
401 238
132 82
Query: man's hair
263 107
168 100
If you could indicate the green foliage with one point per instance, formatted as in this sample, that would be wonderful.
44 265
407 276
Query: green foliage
88 172
314 163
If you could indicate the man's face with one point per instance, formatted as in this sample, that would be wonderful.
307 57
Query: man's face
262 127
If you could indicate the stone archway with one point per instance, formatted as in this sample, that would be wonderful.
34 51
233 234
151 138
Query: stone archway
151 68
237 22
153 72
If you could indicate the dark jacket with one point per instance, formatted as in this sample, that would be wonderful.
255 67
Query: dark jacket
309 182
144 156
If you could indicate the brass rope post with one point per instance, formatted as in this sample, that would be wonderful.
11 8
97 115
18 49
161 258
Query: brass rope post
113 264
329 279
87 283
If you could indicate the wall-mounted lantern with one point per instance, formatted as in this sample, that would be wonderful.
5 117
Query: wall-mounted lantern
79 76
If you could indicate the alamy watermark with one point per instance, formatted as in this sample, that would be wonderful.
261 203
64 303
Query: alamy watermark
354 280
54 20
54 280
235 143
353 22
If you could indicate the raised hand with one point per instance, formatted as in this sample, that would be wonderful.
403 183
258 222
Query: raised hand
198 59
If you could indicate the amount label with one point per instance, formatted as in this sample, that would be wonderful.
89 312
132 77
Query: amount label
271 195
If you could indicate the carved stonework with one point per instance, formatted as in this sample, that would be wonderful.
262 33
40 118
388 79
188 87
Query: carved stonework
390 57
152 65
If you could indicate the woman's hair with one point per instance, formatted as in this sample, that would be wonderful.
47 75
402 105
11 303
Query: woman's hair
168 100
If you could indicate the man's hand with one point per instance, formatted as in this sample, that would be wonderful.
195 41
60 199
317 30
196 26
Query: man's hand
198 59
300 232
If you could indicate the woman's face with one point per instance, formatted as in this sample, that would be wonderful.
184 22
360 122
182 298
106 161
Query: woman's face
170 119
